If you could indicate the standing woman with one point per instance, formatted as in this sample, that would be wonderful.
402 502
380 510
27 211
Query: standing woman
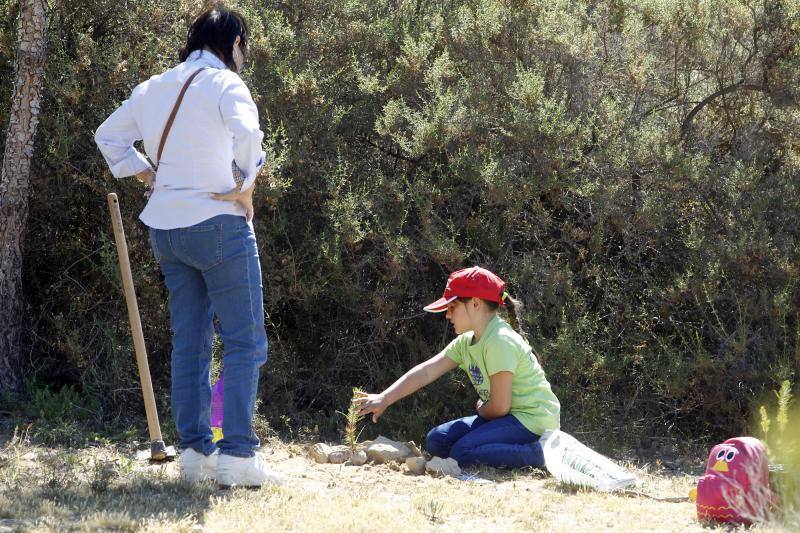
200 214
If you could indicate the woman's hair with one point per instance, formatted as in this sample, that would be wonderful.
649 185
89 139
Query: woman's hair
514 309
216 29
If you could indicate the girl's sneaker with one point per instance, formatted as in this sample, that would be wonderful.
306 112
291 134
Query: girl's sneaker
246 472
196 467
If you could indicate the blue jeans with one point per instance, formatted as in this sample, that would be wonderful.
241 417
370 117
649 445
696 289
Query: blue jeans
212 268
472 440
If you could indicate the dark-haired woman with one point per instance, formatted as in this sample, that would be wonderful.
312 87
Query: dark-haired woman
200 213
516 404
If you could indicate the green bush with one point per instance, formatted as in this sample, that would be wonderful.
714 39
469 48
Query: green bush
654 242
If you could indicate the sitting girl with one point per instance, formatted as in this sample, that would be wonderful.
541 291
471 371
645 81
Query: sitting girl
516 403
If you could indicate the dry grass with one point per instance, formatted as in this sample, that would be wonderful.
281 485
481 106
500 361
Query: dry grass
106 489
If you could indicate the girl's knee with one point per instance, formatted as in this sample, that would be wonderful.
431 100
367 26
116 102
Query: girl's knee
435 442
433 439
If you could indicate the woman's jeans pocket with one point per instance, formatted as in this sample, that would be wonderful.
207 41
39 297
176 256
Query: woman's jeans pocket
203 245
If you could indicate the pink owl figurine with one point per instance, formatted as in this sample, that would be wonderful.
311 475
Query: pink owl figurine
735 487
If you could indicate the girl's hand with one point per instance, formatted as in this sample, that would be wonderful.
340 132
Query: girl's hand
371 403
243 198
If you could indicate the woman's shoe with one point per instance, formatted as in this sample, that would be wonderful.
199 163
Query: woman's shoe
196 467
246 472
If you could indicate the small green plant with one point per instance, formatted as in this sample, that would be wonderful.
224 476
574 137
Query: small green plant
351 432
11 473
783 446
104 471
433 511
53 405
60 470
775 439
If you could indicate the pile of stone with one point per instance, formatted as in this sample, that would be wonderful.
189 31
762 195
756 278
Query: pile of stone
384 451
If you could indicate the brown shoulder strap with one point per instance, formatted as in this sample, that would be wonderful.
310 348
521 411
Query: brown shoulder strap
171 118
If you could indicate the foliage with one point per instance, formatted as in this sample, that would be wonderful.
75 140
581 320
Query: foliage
629 167
783 444
64 416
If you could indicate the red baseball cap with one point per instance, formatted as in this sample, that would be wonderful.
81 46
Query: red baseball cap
474 282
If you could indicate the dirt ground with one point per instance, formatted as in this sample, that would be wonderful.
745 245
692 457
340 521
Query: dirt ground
106 488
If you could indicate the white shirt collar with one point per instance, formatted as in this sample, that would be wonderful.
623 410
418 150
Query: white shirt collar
206 58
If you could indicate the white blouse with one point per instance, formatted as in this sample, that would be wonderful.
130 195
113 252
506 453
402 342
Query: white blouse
217 124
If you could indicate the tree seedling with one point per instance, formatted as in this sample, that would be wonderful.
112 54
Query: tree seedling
351 431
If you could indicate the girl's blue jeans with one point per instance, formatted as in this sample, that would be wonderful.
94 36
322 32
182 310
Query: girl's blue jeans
472 440
212 269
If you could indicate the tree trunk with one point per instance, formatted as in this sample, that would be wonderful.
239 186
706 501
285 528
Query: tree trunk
28 77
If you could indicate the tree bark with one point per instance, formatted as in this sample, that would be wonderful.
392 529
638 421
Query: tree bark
14 182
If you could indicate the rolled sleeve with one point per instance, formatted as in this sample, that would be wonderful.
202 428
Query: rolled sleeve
240 116
115 138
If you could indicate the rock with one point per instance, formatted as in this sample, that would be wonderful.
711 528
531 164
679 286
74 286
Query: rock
416 465
358 458
443 467
384 450
319 452
339 454
411 445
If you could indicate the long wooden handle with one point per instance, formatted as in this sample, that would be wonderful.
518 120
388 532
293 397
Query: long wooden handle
136 323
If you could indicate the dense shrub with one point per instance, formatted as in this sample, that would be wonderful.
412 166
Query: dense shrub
572 146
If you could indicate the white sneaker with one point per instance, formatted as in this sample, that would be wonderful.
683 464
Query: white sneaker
246 472
198 467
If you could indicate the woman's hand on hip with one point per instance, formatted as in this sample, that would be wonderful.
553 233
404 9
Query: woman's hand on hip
371 403
148 177
243 198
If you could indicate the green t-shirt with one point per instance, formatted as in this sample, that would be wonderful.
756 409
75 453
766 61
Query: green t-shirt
503 349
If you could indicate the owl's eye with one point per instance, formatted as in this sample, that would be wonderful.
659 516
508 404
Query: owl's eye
720 455
730 455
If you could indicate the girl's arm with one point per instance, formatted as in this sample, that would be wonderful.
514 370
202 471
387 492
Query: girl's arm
411 382
499 403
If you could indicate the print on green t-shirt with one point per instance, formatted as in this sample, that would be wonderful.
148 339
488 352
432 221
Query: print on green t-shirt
503 349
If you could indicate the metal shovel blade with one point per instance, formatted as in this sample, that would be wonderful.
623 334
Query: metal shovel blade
160 452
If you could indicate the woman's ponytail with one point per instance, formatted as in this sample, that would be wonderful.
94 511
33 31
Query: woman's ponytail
514 313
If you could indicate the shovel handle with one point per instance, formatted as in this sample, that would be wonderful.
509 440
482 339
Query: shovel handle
136 323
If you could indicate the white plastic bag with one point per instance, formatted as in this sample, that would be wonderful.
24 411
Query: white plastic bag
571 462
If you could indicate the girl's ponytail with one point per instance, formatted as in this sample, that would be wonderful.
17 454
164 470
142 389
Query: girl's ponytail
514 312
